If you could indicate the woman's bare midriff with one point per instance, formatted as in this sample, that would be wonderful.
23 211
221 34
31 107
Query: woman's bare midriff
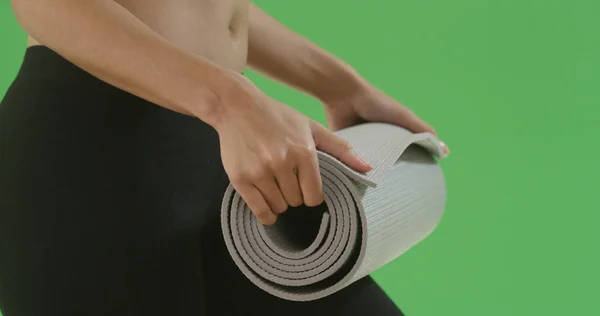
215 29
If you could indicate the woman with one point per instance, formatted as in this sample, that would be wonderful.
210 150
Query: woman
126 122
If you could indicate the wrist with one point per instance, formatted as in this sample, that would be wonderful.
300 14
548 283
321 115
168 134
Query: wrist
342 85
227 94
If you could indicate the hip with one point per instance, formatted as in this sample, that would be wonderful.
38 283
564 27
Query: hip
66 133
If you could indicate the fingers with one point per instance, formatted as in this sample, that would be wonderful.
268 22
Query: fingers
257 203
417 125
309 178
405 117
332 144
290 187
268 191
292 181
272 194
395 113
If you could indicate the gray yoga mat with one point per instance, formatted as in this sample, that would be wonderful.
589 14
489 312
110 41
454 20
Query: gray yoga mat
366 221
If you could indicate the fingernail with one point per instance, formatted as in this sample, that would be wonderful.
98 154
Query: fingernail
445 148
368 165
365 163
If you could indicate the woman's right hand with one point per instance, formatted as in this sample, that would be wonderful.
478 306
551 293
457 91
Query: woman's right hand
269 152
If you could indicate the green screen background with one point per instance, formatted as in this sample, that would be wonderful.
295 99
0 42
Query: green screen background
512 86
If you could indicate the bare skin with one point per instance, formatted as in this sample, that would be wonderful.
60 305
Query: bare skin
216 30
188 55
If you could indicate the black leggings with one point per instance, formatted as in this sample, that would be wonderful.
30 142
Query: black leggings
109 205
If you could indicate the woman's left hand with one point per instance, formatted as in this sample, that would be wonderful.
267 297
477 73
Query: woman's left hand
368 104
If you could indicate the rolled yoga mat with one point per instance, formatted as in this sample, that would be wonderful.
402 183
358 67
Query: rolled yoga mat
366 221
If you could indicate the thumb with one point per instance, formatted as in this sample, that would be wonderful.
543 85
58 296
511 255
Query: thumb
338 147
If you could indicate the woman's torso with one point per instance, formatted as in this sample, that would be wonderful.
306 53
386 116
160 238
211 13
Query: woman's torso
215 29
55 110
75 122
100 189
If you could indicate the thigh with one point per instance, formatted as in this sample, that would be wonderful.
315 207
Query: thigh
102 200
84 232
230 293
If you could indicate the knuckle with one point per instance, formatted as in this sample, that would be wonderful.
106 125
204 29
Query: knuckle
268 220
258 173
273 163
311 203
261 212
281 209
316 200
249 175
306 151
278 163
267 160
295 199
345 145
236 178
296 202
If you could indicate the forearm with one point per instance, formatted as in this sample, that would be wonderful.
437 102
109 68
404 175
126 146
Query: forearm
286 56
107 41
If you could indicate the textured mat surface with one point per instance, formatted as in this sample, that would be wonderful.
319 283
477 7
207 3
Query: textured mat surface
366 221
